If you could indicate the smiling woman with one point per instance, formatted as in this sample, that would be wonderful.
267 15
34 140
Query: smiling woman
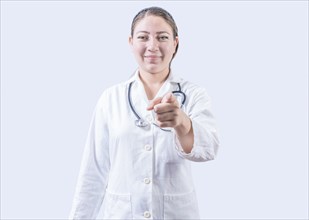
142 169
154 45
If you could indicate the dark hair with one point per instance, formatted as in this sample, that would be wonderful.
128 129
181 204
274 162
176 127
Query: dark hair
160 12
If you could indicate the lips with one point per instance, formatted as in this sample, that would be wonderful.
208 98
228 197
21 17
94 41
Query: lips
152 56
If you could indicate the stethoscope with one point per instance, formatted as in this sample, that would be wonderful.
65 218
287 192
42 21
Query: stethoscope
139 122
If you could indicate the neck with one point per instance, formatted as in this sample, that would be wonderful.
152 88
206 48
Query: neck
153 78
153 81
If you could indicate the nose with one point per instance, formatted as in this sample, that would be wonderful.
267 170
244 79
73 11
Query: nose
153 44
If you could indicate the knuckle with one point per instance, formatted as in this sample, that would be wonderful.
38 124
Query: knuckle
160 124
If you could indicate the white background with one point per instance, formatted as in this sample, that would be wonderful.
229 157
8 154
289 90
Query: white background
252 57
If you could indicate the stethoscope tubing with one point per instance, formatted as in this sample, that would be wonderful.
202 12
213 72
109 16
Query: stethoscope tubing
130 101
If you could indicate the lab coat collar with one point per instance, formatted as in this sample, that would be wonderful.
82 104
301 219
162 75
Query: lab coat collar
172 78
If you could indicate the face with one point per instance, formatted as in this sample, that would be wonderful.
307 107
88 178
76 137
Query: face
153 44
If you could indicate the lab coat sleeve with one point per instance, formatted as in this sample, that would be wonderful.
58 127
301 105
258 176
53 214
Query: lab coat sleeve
206 141
94 170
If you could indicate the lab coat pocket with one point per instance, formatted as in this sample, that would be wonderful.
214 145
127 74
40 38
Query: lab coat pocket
117 206
183 206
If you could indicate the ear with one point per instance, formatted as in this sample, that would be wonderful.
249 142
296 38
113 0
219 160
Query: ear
176 42
130 40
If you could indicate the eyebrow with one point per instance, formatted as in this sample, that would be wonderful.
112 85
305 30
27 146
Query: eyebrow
159 32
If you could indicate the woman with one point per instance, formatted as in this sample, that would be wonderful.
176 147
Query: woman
144 134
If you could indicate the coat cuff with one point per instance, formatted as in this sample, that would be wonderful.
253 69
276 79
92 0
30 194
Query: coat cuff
205 144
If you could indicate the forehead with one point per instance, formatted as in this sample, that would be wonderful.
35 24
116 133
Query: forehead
153 23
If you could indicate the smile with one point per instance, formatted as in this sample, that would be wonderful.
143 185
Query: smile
152 57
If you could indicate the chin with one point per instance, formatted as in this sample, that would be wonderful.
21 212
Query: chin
154 69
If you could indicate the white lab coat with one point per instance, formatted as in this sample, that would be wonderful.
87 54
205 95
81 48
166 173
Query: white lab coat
142 172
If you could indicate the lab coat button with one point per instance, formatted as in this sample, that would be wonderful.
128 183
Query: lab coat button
147 214
147 180
147 147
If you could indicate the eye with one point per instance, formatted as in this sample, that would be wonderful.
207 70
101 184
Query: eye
163 38
142 37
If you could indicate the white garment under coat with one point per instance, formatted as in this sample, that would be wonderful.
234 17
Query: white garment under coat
142 172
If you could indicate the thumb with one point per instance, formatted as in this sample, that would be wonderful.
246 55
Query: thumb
153 103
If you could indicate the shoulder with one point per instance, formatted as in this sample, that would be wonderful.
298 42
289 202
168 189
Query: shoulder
113 92
193 89
197 98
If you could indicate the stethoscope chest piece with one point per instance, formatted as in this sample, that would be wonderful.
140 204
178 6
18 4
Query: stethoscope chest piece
141 123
